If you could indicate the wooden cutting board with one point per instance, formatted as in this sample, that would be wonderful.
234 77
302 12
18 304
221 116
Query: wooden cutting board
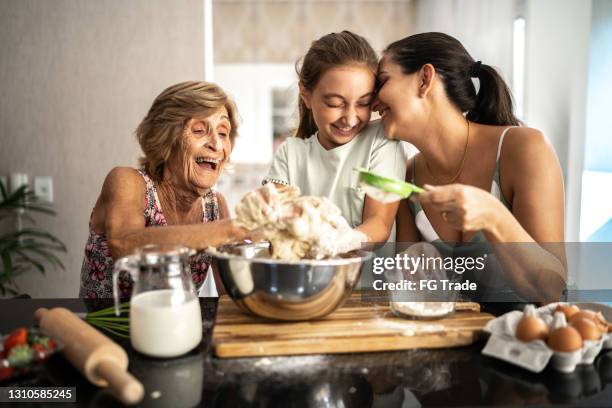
356 327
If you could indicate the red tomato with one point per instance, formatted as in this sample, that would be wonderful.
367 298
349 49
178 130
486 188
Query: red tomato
40 352
17 337
6 373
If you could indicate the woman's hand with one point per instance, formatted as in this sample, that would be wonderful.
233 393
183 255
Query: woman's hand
342 240
463 207
265 205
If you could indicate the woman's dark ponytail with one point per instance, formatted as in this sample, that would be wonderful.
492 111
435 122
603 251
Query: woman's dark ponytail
492 105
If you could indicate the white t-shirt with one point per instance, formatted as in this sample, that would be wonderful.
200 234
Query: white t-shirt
306 164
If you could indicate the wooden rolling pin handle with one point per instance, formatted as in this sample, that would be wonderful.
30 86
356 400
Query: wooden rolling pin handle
102 361
122 384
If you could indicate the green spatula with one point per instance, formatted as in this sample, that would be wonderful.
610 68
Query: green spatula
385 189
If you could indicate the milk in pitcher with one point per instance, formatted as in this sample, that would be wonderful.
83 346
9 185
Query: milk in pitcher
165 323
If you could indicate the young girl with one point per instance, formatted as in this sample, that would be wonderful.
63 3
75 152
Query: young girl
335 136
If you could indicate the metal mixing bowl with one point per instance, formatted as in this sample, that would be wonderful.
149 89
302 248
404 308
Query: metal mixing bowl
286 290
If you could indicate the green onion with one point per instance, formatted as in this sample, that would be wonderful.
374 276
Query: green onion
106 320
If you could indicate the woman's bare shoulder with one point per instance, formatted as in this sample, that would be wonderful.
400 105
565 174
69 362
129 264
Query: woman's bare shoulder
527 152
123 189
124 182
521 142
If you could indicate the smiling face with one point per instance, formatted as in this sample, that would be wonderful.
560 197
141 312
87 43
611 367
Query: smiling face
341 103
203 150
402 106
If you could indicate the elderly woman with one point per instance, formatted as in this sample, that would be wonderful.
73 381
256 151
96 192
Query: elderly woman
187 137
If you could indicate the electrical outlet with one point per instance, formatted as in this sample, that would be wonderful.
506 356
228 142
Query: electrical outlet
18 180
43 189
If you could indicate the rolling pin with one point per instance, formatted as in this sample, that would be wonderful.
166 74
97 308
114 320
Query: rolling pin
97 357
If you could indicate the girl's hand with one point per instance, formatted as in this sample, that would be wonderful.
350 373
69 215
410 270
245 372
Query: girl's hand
463 207
340 241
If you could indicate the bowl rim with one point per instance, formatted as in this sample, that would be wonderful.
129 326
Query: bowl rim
364 256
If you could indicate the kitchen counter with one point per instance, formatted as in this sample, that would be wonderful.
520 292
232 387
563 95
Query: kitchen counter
445 377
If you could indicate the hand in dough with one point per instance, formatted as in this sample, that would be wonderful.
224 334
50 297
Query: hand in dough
264 206
339 241
297 227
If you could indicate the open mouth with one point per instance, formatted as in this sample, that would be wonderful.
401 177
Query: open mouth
207 163
345 131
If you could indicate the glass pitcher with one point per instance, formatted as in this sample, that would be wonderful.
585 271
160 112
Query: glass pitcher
165 315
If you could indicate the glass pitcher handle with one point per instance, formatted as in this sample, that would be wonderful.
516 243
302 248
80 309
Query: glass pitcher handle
128 264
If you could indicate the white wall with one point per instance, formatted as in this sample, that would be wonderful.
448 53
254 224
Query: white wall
557 55
484 27
76 79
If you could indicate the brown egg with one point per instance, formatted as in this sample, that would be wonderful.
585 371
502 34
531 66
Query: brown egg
531 328
568 310
587 328
565 339
596 318
603 323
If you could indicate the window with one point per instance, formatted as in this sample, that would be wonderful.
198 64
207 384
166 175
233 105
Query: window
518 66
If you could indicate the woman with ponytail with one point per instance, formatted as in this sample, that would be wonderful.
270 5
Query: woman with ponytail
337 83
487 178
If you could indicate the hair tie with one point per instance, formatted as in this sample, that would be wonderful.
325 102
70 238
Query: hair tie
475 69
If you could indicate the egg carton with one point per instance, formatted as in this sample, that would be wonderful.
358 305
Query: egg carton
535 355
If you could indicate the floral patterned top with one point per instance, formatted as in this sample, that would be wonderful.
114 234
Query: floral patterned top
97 269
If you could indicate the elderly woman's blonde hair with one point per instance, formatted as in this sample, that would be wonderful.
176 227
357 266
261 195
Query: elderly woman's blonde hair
160 131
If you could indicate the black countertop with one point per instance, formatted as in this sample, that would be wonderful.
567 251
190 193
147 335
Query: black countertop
445 377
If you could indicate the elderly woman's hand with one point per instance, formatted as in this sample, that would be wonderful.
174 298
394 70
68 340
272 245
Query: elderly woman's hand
265 205
463 207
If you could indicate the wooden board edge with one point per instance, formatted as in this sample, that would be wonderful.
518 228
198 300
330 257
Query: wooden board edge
338 346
